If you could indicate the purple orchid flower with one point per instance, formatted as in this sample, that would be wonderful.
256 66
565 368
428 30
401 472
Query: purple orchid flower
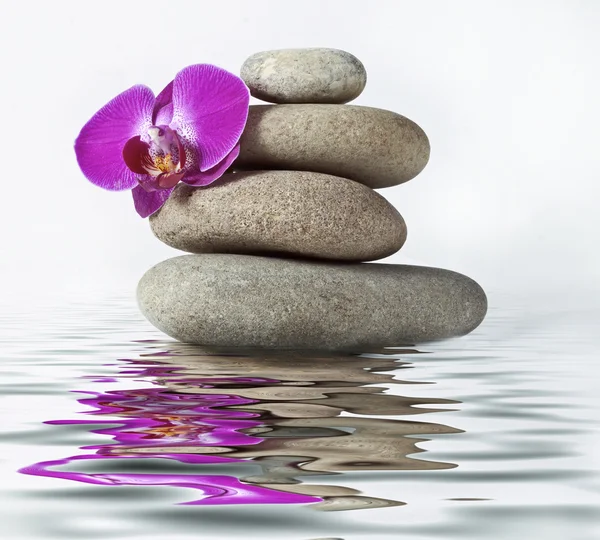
189 132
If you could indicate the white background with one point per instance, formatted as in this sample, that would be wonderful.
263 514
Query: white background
507 91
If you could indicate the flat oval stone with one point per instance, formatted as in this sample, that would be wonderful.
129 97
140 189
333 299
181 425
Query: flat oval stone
281 212
304 76
375 147
248 301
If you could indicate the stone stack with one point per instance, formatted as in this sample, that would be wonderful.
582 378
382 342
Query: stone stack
281 241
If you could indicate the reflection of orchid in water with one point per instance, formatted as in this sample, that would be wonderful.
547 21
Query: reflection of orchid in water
176 427
169 420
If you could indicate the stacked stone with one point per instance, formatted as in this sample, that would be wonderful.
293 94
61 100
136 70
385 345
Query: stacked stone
280 243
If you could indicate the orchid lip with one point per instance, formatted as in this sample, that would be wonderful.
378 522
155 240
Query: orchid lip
137 156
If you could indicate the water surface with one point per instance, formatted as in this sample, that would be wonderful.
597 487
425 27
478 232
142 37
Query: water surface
111 430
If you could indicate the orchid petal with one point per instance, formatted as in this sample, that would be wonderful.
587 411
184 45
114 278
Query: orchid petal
148 182
210 108
214 173
146 203
163 107
99 146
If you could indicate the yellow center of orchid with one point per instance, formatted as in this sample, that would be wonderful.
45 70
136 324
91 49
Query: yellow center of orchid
165 163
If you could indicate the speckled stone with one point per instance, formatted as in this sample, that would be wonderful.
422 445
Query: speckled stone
281 212
248 301
304 76
375 147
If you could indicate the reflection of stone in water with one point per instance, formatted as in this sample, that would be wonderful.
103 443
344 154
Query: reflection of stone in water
281 470
333 380
288 366
332 404
297 410
353 502
274 392
374 444
336 498
300 397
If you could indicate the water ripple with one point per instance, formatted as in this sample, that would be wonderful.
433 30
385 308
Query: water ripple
284 413
491 436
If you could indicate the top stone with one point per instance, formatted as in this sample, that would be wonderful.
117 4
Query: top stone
304 76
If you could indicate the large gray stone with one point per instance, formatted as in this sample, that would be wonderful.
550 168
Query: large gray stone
281 212
247 301
375 147
304 76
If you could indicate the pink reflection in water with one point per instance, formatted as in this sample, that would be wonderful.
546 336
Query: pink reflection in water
216 489
157 417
